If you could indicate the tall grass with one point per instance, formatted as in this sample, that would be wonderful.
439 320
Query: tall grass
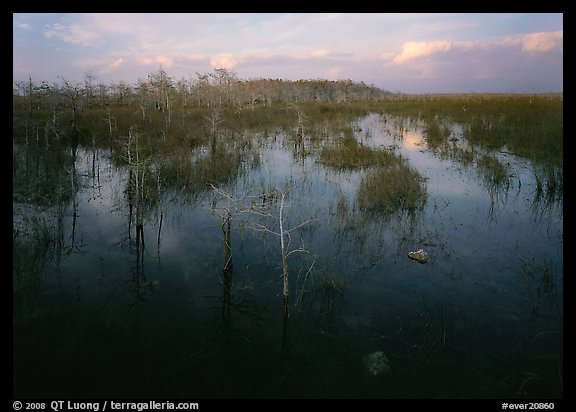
390 184
36 243
395 187
495 173
527 125
349 154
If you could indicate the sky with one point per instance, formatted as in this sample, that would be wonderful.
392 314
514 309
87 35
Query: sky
407 53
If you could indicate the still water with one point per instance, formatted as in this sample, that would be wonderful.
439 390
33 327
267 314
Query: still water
191 307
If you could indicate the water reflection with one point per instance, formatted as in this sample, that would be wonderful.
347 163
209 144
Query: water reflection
488 301
226 270
412 140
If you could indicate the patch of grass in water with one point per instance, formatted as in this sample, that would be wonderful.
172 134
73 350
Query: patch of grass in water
351 155
436 134
392 188
495 173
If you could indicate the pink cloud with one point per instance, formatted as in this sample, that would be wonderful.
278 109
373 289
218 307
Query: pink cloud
191 57
165 61
320 53
415 50
225 61
334 73
543 42
531 43
117 63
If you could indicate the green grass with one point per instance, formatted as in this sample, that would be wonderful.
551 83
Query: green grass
526 125
37 242
495 173
396 187
351 155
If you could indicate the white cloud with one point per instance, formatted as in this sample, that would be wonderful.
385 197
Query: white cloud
75 34
24 26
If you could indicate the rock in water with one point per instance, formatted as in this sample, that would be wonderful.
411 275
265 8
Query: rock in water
419 256
375 366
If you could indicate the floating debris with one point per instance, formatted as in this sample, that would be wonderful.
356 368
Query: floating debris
419 256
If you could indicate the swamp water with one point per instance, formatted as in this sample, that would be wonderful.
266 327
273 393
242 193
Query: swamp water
189 302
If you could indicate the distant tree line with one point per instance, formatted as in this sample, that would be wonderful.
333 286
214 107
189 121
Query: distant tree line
159 91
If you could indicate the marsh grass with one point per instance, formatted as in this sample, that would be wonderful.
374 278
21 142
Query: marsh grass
526 125
465 157
190 175
530 126
42 176
433 333
396 187
542 372
549 184
496 174
436 133
547 284
349 154
327 290
36 243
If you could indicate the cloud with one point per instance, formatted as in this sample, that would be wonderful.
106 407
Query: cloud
108 68
117 63
334 73
543 42
191 57
75 34
530 43
328 53
164 60
24 26
320 53
225 61
415 50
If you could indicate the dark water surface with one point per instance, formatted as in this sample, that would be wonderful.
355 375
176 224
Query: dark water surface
112 317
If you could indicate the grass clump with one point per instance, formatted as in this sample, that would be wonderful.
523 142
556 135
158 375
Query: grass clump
392 188
494 172
351 155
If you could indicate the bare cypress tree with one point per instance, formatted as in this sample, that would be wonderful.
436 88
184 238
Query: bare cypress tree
71 92
283 233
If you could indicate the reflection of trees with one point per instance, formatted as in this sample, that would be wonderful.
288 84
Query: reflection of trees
141 195
299 150
45 185
140 284
226 269
189 173
262 207
246 303
74 189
